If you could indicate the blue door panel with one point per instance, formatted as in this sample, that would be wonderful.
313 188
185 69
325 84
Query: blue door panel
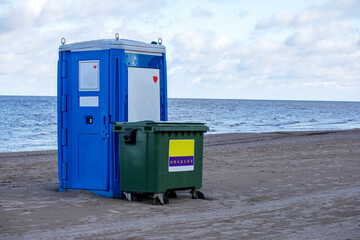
91 162
88 126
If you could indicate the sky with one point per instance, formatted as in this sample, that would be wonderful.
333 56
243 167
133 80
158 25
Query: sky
228 49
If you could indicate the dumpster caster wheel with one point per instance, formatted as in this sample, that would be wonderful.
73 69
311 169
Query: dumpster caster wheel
166 199
171 194
201 195
129 197
160 199
197 194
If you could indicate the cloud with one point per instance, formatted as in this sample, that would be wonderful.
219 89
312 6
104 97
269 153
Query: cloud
242 69
329 11
281 19
20 15
316 56
242 13
200 12
199 57
202 41
52 11
311 34
317 48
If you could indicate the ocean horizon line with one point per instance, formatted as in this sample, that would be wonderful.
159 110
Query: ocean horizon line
235 99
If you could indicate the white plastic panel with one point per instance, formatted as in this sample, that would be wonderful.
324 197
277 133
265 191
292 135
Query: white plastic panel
143 94
144 53
92 101
89 75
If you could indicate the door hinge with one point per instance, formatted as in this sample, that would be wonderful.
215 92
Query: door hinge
64 103
64 137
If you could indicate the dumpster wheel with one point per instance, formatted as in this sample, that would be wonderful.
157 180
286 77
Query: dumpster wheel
160 198
197 194
130 197
171 194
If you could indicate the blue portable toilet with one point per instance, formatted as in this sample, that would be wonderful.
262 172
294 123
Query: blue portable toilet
100 82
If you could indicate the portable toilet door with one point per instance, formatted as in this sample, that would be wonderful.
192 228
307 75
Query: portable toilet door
100 82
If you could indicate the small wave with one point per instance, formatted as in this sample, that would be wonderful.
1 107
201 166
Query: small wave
290 123
277 124
237 124
278 118
336 123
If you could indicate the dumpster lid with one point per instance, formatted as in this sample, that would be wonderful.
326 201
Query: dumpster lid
161 126
103 44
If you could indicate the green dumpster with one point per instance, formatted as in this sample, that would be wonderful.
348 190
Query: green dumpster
160 158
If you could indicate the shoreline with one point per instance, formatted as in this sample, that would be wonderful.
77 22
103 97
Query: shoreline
285 131
280 185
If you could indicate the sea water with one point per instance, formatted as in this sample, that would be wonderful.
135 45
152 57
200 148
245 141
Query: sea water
30 123
27 123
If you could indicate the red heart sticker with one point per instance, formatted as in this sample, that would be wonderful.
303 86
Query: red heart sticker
155 78
95 66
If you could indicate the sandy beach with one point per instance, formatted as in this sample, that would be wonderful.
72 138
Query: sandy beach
285 185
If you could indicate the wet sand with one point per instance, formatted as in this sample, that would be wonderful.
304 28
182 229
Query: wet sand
286 185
